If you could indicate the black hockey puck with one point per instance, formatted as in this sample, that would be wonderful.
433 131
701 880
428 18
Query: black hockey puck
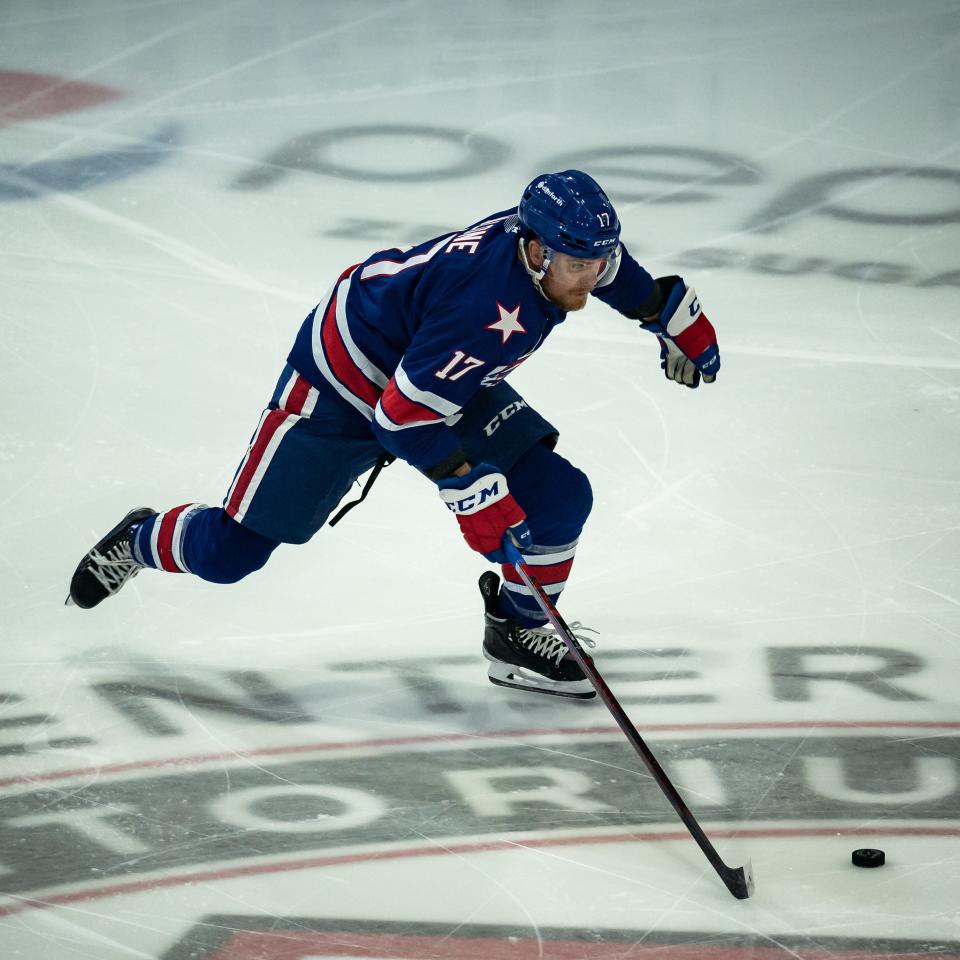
866 857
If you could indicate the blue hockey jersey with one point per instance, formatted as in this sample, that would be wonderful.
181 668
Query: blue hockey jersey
407 337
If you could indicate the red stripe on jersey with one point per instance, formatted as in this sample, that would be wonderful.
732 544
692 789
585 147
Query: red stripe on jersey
168 524
341 363
268 428
298 396
548 573
401 409
698 337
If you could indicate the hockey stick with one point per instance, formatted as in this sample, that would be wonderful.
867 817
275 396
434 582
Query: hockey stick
739 880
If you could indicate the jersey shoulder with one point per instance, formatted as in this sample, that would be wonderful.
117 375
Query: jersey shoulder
460 246
479 257
492 232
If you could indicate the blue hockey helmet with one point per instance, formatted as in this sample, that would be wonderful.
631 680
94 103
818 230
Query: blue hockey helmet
570 213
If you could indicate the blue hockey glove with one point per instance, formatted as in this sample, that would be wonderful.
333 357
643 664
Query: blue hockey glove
688 342
486 511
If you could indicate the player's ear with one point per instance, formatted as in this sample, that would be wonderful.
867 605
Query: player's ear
535 253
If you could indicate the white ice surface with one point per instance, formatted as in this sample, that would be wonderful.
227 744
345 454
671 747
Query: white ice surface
799 163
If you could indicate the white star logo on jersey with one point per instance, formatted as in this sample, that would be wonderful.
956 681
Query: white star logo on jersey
509 322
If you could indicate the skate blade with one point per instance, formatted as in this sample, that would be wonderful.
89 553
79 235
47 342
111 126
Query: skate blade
504 676
69 601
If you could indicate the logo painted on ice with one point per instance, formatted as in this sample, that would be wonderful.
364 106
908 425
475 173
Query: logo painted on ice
113 831
93 832
245 936
29 96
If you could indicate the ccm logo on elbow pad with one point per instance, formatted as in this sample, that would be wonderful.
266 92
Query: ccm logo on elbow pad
482 494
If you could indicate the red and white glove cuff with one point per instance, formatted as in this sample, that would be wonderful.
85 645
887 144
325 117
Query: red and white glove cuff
689 327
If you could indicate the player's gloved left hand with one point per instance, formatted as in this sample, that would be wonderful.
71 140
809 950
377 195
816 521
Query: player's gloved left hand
486 511
677 366
688 342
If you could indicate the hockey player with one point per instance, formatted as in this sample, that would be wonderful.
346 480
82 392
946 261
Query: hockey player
406 357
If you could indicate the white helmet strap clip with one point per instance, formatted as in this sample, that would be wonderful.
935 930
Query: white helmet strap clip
536 275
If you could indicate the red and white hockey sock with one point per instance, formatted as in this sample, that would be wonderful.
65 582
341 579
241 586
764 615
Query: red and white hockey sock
550 567
158 541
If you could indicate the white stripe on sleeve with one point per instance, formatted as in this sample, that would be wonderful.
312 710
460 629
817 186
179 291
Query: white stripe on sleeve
425 398
387 268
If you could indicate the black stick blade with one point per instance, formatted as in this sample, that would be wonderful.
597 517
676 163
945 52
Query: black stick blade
739 880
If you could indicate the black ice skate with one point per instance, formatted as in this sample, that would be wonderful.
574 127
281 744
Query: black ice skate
108 566
529 658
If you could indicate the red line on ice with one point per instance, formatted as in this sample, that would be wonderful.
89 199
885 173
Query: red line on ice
196 760
480 846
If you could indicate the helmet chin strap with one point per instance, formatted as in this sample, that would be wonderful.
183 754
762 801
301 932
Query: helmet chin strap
535 275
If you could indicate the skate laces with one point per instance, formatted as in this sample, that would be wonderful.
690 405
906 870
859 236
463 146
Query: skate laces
115 567
547 643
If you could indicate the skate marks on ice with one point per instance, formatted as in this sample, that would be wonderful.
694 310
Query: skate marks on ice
447 827
785 624
302 938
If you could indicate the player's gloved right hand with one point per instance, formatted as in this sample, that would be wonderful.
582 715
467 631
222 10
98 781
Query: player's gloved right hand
486 511
688 342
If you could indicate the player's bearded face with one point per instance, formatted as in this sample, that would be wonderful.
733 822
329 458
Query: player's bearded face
569 280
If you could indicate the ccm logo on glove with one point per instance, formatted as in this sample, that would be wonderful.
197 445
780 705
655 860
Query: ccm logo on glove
486 511
486 491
